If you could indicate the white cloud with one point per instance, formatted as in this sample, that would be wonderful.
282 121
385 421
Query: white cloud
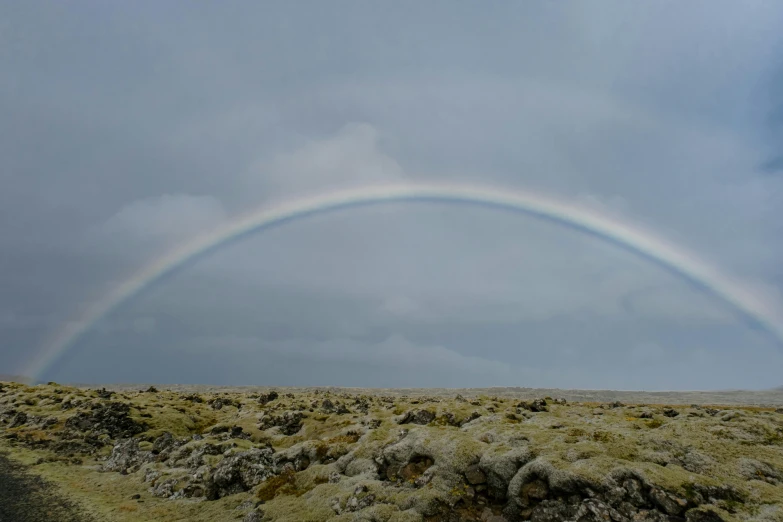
351 157
166 218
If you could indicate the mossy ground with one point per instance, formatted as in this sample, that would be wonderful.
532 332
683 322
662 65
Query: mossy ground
590 439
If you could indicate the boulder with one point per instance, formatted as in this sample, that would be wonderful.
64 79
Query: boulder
422 417
111 418
240 472
669 503
164 488
163 443
126 457
500 468
290 422
266 398
535 406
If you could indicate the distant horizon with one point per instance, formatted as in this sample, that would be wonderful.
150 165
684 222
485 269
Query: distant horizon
25 380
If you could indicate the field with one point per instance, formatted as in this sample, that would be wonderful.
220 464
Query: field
196 453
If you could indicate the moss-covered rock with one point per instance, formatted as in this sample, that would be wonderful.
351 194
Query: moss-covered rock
344 455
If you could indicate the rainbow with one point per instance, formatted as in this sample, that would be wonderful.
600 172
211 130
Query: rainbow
566 213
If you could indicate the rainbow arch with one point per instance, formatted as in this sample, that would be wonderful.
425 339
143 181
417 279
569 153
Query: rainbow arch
673 258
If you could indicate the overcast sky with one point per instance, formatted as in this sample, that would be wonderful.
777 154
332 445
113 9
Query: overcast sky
129 127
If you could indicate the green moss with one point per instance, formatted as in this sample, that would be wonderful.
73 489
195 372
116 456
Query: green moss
584 444
270 488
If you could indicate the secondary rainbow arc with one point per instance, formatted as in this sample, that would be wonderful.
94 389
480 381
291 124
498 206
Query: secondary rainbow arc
620 232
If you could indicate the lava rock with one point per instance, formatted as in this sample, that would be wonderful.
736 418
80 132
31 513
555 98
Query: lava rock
240 472
535 406
126 457
422 417
103 393
290 422
163 443
475 476
111 418
266 398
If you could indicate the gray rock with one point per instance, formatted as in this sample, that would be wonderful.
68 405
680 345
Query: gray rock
240 472
553 511
164 489
536 405
290 422
594 509
126 457
696 462
163 443
110 418
634 489
254 516
151 475
500 468
417 417
670 503
48 422
753 469
475 476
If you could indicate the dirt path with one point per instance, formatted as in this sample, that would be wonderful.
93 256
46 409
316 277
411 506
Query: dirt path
25 497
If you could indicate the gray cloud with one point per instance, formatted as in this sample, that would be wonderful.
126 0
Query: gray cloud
127 129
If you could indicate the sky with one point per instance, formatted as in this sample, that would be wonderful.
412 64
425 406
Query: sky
129 128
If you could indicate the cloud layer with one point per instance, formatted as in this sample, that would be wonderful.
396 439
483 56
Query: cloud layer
127 130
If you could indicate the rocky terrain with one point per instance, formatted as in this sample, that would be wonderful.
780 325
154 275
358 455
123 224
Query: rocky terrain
197 454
